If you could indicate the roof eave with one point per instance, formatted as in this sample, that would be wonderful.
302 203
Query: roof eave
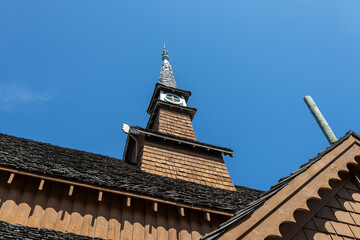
187 142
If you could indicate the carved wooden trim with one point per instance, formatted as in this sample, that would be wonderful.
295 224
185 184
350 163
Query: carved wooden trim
265 221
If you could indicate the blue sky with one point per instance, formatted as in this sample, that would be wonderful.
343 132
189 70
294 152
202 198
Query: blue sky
71 72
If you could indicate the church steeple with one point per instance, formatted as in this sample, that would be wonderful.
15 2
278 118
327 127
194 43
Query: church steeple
168 146
166 73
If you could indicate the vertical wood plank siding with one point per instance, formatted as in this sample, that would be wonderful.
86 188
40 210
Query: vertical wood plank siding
21 202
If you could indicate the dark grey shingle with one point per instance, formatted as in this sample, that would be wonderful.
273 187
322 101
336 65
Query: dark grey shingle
14 231
50 160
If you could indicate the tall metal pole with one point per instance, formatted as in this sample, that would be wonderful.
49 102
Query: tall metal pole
329 134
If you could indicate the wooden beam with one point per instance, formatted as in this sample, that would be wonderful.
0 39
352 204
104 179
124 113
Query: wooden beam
124 193
11 178
71 190
181 211
155 206
41 185
100 196
207 216
128 201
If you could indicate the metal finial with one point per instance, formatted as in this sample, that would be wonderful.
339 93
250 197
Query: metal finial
164 53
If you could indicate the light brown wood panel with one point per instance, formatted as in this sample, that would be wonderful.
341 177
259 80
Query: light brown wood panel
184 226
65 211
91 209
150 222
4 187
115 218
51 211
101 227
173 222
127 221
195 224
215 222
139 219
76 220
162 222
4 191
10 205
39 205
205 224
26 202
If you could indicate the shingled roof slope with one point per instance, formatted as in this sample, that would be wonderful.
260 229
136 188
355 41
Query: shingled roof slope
64 163
274 189
14 231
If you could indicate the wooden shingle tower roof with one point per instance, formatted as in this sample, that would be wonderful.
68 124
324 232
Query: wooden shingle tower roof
166 73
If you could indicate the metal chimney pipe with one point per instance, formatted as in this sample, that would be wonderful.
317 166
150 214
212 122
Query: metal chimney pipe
329 134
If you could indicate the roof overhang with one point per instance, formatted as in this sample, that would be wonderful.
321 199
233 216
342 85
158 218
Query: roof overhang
114 191
160 87
184 141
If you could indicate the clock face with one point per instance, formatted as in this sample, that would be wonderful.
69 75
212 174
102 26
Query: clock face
169 97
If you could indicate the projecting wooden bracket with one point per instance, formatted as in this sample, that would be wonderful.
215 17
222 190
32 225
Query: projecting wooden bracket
41 184
207 216
71 190
11 178
100 196
181 211
128 201
155 206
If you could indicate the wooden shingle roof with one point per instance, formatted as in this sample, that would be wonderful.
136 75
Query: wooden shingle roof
99 170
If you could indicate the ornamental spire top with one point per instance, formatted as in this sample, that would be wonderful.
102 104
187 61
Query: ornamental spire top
166 73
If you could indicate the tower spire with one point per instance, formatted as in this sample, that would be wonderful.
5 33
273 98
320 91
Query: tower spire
166 73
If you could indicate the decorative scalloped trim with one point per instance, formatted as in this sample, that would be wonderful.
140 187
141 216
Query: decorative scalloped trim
342 167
